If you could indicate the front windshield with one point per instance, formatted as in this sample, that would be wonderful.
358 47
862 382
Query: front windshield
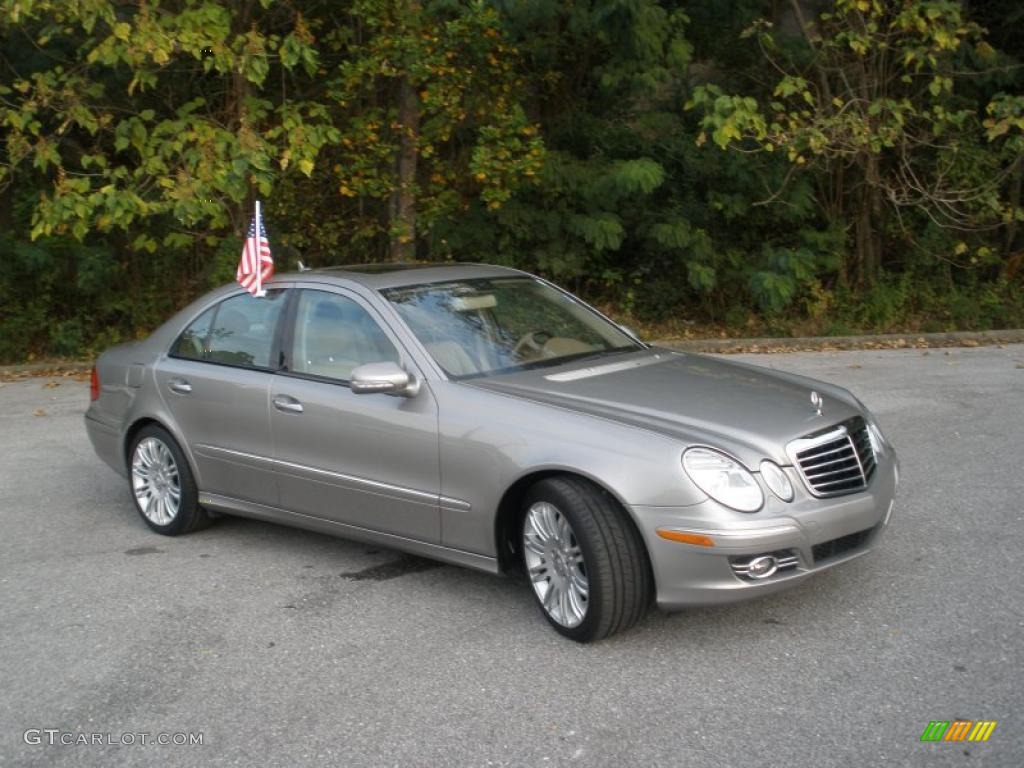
497 325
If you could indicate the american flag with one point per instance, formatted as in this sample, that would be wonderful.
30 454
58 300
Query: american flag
256 265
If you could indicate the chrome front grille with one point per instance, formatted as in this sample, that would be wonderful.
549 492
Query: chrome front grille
837 461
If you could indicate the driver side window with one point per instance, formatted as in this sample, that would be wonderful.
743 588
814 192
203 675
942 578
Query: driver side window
334 334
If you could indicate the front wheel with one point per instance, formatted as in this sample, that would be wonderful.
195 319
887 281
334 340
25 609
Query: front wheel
584 558
163 489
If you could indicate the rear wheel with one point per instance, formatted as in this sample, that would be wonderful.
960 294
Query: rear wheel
584 559
162 485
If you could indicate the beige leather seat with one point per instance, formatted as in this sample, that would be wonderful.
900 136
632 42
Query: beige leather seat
452 358
558 346
337 337
455 360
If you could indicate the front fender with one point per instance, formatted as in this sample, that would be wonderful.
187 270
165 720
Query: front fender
490 440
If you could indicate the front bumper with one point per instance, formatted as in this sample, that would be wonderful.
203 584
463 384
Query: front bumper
819 533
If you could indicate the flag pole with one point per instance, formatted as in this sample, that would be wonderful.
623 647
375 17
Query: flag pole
259 254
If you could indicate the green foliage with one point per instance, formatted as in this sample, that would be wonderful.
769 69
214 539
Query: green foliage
726 164
869 99
474 140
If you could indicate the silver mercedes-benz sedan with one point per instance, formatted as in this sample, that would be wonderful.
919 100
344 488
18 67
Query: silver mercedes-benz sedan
482 416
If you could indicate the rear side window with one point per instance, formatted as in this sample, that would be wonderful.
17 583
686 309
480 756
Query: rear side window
238 331
192 341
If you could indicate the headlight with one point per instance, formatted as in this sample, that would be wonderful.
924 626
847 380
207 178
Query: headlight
723 479
776 479
878 441
875 436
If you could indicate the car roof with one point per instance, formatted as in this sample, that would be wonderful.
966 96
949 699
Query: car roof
396 275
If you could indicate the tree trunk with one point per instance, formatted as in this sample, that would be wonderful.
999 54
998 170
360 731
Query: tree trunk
1014 255
238 113
801 20
1010 240
402 208
869 226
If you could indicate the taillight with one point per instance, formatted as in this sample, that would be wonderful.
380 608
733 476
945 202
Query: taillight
94 385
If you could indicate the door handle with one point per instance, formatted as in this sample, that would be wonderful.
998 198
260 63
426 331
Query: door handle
180 386
288 404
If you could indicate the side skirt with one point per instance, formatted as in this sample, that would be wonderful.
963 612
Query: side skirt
256 511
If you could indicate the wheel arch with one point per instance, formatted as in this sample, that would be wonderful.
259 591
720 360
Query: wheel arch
191 515
141 423
509 511
134 428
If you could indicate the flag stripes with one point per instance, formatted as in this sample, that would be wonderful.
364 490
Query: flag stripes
256 265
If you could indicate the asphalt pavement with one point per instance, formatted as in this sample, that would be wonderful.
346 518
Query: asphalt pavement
281 647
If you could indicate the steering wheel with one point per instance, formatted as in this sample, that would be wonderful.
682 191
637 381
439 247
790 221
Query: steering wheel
532 341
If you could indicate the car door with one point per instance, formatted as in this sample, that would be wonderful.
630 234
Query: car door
368 460
216 383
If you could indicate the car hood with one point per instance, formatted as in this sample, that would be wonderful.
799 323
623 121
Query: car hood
748 411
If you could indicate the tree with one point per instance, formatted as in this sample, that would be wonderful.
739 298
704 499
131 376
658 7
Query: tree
130 120
429 103
869 101
604 85
853 170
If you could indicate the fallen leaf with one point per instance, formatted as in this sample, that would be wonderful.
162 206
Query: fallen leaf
39 412
51 384
855 365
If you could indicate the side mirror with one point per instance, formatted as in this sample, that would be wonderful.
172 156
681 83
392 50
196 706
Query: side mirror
386 378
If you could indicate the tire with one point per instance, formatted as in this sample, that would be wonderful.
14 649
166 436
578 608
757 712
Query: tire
569 529
157 469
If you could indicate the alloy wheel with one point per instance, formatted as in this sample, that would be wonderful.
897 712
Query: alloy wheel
156 482
555 564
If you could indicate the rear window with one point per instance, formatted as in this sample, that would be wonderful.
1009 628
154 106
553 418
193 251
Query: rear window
237 331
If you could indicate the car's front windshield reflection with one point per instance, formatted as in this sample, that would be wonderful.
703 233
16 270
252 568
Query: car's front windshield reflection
496 325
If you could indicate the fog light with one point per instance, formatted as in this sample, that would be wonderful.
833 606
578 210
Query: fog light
762 567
